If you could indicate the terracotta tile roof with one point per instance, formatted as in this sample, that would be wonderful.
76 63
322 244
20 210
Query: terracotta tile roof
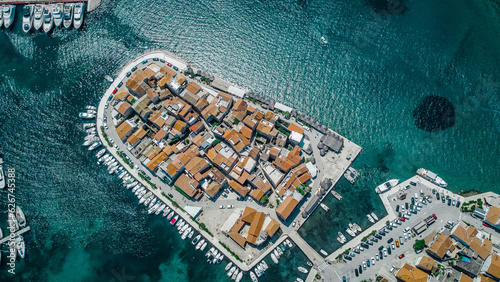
152 164
152 93
168 150
269 115
296 128
196 165
265 126
171 170
148 73
426 263
485 278
179 125
248 214
198 140
272 227
187 185
409 273
193 87
212 189
240 105
274 151
286 208
210 110
256 224
123 108
465 278
181 79
235 235
168 72
441 245
160 134
136 136
483 249
123 129
493 215
254 153
242 190
465 233
163 81
201 104
494 268
121 94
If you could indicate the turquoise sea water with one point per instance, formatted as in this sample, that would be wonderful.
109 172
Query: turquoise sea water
364 84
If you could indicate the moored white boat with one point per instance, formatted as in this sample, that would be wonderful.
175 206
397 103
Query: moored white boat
68 15
57 13
20 246
370 218
303 270
432 177
375 217
48 21
38 16
84 115
350 232
204 245
253 277
78 15
196 240
27 18
21 219
386 186
239 277
2 176
170 215
9 13
274 258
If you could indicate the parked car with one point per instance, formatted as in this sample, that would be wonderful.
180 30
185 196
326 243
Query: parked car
397 243
120 84
385 253
393 246
129 74
380 248
435 217
373 261
230 206
390 240
458 204
364 265
169 64
437 196
170 195
222 207
413 183
406 205
376 257
401 256
449 202
392 269
294 223
442 198
429 200
407 229
397 208
389 249
402 219
356 272
145 61
368 262
454 202
381 255
115 90
134 68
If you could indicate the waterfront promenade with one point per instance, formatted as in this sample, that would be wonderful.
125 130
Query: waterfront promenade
91 4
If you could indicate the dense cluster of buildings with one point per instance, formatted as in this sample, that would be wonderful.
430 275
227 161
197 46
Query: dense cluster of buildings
469 251
202 141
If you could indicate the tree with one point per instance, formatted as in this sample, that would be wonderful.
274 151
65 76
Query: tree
263 200
419 245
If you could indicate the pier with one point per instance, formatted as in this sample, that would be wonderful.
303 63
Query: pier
17 233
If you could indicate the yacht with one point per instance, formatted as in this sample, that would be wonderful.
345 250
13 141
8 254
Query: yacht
325 207
100 153
190 235
38 16
204 245
254 278
427 174
20 246
340 240
386 186
352 228
273 257
374 216
235 274
195 241
239 277
1 23
341 236
147 201
146 197
160 209
82 115
27 18
170 215
9 12
166 211
21 219
78 15
57 13
68 15
303 270
350 232
95 146
370 218
2 176
48 22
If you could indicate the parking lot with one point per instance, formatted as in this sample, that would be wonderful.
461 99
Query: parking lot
443 212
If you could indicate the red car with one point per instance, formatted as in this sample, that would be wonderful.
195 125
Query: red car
169 64
435 217
401 256
114 91
402 219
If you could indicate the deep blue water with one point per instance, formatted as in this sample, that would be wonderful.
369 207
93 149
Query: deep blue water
364 84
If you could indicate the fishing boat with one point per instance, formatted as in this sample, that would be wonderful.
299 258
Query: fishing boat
374 216
27 18
239 277
325 207
68 15
48 21
341 236
253 277
303 270
20 246
231 271
336 195
351 175
78 15
386 186
21 219
38 16
2 176
352 228
357 227
370 218
174 220
273 257
350 232
204 245
57 13
9 12
429 175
